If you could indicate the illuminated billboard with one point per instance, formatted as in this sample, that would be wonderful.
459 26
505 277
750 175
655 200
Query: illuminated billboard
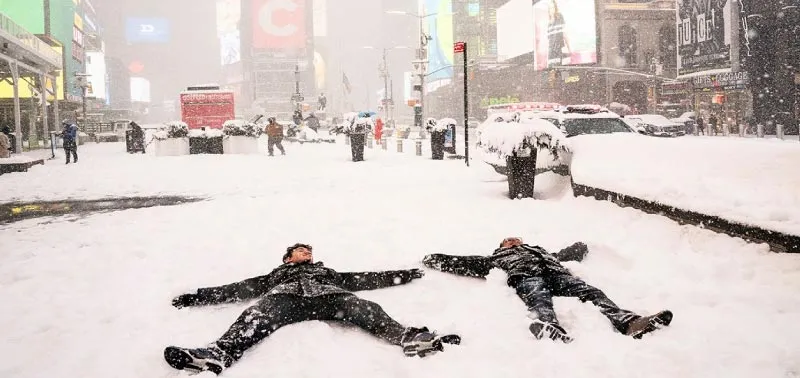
279 24
147 30
96 68
564 33
440 48
514 29
26 13
704 29
140 89
229 13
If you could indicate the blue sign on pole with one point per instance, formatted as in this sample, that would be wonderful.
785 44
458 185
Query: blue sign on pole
147 30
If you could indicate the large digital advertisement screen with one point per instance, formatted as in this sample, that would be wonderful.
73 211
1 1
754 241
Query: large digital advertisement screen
440 48
147 30
96 68
26 13
279 24
140 89
704 29
229 13
514 29
564 33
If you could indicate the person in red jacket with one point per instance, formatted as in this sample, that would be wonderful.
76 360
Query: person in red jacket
378 129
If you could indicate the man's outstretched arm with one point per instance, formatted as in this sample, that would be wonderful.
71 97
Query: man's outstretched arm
470 266
235 292
356 281
575 252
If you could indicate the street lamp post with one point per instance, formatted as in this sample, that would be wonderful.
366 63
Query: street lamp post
383 70
83 83
421 63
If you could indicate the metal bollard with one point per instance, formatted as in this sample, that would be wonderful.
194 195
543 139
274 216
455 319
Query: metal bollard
779 131
741 129
760 131
383 143
695 129
418 145
369 142
399 145
726 129
346 140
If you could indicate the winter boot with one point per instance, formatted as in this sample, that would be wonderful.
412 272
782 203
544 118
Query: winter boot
198 360
646 324
553 331
421 342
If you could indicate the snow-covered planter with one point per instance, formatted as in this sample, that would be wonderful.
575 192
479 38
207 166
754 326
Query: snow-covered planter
172 139
240 137
361 125
500 140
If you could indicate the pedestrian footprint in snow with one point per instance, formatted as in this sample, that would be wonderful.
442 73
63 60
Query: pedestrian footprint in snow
538 276
297 291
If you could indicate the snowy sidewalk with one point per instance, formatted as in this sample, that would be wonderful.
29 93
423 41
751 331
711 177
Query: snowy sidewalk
90 296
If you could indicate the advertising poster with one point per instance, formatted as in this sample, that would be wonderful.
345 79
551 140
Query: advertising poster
440 48
514 29
703 35
565 33
229 13
147 30
279 24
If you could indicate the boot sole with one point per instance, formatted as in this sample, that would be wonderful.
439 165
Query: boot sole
183 360
660 320
536 333
432 346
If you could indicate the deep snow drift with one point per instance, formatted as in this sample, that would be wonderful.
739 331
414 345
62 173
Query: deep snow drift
90 296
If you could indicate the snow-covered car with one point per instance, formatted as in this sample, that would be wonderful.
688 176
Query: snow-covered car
688 119
658 125
585 119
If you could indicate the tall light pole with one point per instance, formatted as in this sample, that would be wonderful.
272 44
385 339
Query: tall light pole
421 63
83 83
383 70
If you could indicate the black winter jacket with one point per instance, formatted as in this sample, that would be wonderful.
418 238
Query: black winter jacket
518 262
303 279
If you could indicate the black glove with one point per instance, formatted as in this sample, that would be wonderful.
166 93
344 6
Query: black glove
415 273
185 300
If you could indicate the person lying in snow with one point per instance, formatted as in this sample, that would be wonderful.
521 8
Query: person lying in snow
296 291
537 276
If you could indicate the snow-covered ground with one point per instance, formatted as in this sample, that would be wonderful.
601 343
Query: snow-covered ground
90 296
752 181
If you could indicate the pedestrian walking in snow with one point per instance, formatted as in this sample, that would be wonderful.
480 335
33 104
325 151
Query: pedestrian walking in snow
69 134
274 137
538 276
296 291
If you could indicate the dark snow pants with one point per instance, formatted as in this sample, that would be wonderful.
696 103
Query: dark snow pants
357 146
538 292
275 141
275 311
71 147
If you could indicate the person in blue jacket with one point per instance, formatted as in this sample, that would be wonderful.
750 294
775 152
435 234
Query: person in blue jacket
69 133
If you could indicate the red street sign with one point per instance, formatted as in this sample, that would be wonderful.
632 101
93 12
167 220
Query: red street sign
458 47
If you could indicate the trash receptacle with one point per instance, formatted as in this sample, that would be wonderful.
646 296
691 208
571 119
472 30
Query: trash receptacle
357 141
521 171
450 140
134 141
437 145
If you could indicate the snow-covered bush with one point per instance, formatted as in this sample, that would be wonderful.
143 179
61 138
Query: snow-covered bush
359 126
445 123
504 139
207 133
174 129
241 128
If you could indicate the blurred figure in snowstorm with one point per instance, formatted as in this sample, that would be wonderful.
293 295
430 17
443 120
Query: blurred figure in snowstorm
538 276
312 122
323 102
378 129
297 291
69 133
274 136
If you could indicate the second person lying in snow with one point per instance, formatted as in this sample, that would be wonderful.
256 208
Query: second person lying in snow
538 276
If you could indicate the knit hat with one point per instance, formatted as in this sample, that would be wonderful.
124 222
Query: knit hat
291 249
